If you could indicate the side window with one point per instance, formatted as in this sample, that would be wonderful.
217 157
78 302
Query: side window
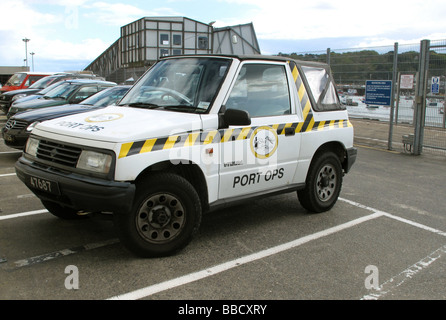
323 89
261 90
33 79
84 93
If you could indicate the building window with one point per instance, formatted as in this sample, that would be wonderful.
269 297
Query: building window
164 52
176 52
203 43
176 40
164 39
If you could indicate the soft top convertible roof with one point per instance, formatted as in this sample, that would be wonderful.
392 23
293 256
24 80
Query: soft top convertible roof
254 57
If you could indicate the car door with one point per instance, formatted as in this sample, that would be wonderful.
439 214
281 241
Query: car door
261 157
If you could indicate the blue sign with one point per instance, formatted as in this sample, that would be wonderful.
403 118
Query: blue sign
378 92
435 87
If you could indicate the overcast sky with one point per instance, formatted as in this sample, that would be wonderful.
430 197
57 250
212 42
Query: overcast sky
69 34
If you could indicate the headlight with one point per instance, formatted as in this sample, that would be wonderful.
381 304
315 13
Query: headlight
18 96
31 146
94 161
32 125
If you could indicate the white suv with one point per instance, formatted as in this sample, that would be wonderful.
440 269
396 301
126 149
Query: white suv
193 134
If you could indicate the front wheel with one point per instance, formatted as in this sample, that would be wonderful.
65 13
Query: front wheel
165 216
323 184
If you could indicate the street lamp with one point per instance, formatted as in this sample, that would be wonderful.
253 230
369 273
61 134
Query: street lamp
26 40
32 59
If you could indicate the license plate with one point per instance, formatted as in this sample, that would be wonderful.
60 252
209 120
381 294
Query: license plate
43 185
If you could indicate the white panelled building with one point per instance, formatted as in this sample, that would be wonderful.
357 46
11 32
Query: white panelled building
144 41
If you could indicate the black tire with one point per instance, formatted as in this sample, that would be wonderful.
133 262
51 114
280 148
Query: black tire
164 218
323 184
61 211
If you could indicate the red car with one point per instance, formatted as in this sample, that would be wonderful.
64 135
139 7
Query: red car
22 80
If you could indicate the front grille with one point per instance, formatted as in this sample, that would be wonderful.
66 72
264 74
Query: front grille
16 124
58 153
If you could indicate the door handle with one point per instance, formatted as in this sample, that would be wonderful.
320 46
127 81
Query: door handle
290 131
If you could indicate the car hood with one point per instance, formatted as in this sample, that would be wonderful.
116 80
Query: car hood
21 91
48 113
122 124
39 103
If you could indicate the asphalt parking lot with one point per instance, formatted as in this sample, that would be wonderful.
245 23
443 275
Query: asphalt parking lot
384 239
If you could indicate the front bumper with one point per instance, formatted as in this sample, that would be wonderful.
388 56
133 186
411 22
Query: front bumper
5 105
76 191
14 138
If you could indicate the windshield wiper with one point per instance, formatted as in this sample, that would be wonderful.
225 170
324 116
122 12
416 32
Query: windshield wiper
181 107
142 105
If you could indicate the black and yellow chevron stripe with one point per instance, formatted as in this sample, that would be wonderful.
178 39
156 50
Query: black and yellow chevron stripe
233 134
220 136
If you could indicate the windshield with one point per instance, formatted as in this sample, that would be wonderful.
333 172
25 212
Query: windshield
106 97
50 87
62 91
16 79
180 84
42 83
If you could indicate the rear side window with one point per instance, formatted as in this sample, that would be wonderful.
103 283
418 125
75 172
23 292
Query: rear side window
32 79
323 89
85 92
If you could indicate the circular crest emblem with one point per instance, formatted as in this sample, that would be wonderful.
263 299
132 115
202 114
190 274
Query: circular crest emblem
264 142
104 117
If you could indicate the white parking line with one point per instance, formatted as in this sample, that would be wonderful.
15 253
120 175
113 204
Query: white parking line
407 274
192 277
62 253
22 214
413 223
384 289
7 175
150 290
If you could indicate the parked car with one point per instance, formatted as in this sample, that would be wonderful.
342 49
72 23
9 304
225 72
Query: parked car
8 97
17 128
22 80
195 134
69 92
35 95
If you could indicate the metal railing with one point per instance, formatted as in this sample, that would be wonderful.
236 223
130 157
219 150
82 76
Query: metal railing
415 70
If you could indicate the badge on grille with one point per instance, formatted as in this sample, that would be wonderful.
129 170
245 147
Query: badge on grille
10 124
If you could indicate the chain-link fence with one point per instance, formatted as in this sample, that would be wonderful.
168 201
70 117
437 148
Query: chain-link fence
400 64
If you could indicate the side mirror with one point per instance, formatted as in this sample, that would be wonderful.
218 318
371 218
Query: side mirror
235 117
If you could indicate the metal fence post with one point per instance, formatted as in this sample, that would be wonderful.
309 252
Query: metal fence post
328 55
392 96
420 97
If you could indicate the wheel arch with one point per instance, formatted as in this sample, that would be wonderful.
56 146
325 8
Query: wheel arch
186 169
337 148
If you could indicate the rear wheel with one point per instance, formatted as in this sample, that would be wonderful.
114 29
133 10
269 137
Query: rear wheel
164 218
323 184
